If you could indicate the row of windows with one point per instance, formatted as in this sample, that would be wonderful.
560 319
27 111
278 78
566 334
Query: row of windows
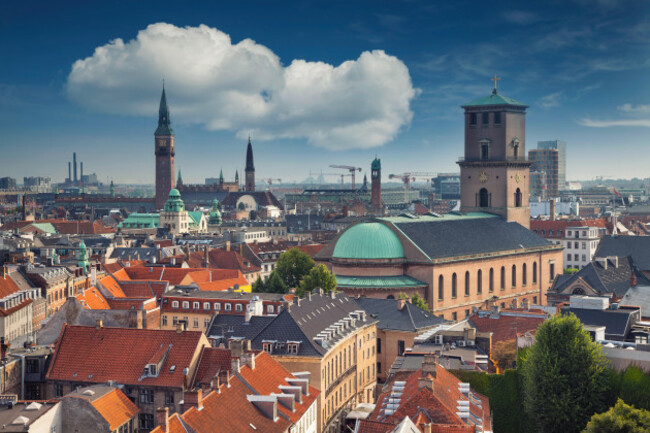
576 257
454 315
217 306
485 118
479 280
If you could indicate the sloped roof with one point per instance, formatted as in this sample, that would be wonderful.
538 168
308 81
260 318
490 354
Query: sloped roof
92 299
380 282
88 354
617 323
212 361
638 296
263 198
115 408
504 326
410 318
493 99
638 247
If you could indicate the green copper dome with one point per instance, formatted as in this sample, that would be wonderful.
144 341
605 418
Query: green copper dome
215 215
368 241
174 202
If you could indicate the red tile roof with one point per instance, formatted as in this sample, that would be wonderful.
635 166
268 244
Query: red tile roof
505 327
116 408
87 354
92 299
212 362
557 228
222 259
311 250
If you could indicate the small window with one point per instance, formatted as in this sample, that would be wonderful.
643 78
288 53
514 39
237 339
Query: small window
454 316
239 307
169 398
196 305
269 309
186 304
267 347
497 118
217 306
146 396
228 307
472 118
196 322
486 118
58 390
206 305
535 273
174 304
400 347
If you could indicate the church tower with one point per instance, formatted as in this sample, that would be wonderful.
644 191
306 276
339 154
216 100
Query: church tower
375 179
164 142
495 175
250 168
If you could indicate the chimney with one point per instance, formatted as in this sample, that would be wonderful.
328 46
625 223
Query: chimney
239 347
181 326
427 428
401 303
74 162
234 366
206 257
162 414
551 210
99 324
430 365
187 252
193 398
425 382
69 171
241 248
227 245
633 280
249 358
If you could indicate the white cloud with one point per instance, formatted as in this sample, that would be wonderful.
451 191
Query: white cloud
609 123
635 109
245 88
550 101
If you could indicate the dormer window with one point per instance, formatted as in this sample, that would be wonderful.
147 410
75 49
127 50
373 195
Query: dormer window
196 305
267 346
292 347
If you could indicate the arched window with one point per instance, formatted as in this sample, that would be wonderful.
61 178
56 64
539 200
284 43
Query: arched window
534 272
516 149
454 285
485 149
441 287
518 198
479 282
524 277
483 198
514 275
578 291
390 297
466 283
503 278
491 283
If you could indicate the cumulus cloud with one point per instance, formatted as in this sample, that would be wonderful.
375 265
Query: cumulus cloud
551 100
635 109
244 87
609 123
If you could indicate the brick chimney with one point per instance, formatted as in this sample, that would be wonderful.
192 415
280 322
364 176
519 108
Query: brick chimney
430 365
162 415
633 280
239 347
206 257
193 398
552 209
401 303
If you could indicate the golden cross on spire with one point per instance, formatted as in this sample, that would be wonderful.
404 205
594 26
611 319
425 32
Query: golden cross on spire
495 79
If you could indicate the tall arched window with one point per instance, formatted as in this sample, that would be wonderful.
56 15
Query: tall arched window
466 283
485 149
534 272
524 277
514 275
441 287
503 278
454 285
491 283
479 282
518 198
483 198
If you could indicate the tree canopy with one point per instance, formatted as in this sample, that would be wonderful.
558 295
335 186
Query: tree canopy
565 377
318 277
292 266
621 418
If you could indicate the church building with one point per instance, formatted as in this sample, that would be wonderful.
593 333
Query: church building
482 256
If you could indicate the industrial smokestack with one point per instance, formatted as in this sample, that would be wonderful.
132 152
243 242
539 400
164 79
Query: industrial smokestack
74 162
552 209
81 175
69 171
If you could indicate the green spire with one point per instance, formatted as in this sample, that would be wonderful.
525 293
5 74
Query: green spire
221 176
164 122
180 178
83 257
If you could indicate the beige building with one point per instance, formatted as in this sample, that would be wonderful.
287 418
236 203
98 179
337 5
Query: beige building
327 335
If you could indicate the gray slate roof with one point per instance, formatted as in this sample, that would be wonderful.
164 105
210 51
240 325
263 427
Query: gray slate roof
638 296
636 246
410 318
614 279
617 323
454 238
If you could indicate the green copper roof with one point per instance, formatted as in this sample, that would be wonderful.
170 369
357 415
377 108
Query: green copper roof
195 218
443 217
174 203
141 220
494 99
376 164
164 122
46 227
393 282
369 240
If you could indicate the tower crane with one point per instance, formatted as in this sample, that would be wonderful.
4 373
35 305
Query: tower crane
270 181
412 176
332 174
351 169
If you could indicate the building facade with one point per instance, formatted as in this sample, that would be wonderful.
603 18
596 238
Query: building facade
164 150
560 146
545 161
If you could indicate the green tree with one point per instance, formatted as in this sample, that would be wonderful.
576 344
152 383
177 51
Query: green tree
318 277
565 378
621 418
275 284
292 266
258 285
419 302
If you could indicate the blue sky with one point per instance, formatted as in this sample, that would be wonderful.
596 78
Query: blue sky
316 83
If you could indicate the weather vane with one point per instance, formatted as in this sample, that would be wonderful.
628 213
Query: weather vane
495 79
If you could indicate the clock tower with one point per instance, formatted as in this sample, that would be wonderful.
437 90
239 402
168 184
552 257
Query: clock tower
495 175
164 142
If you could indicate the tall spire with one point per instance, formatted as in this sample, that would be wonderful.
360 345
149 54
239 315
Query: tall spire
221 177
179 181
249 157
237 176
164 122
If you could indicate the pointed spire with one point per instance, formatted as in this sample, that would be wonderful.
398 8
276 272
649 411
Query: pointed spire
236 176
249 156
164 121
180 178
221 176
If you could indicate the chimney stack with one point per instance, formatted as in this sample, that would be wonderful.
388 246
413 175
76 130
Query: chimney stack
69 171
401 303
633 280
206 257
162 415
227 245
74 162
552 209
81 169
430 365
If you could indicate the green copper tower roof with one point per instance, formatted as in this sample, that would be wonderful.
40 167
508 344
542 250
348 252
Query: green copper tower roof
164 122
83 257
174 202
371 240
493 98
376 164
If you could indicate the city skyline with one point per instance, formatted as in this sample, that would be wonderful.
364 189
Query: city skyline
335 87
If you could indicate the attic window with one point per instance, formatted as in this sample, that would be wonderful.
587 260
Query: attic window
267 346
292 347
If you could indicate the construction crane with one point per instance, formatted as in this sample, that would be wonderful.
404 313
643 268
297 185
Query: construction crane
412 176
270 182
349 168
332 174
